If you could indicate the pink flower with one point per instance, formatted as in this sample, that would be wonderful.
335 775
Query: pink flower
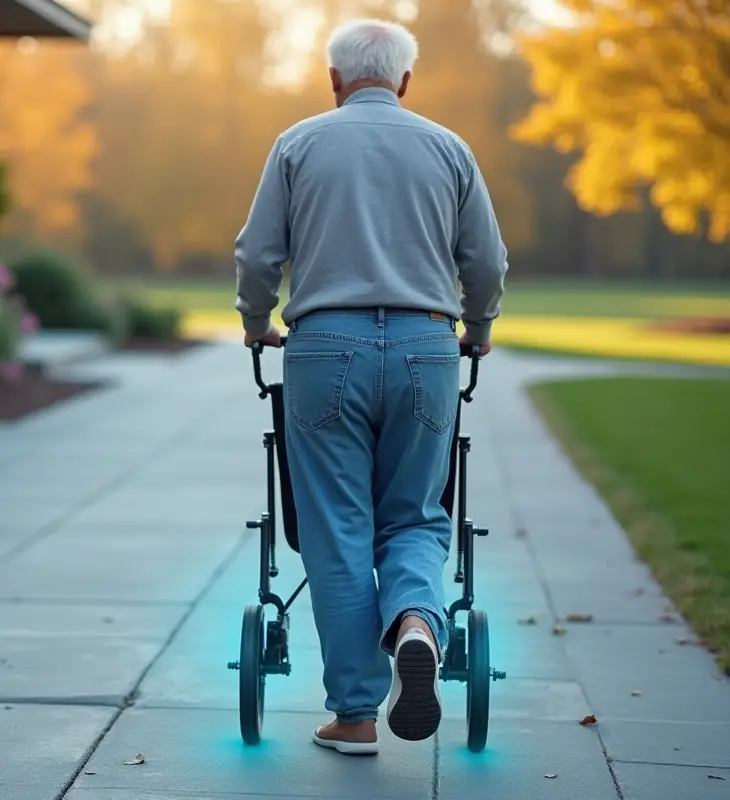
11 371
7 281
29 323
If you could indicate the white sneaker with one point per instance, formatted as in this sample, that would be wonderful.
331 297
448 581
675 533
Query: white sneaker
414 707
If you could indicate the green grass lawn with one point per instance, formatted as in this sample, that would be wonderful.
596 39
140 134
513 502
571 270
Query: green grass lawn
182 294
614 299
552 298
659 452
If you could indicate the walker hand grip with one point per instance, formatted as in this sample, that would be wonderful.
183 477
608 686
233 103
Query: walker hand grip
473 351
259 346
256 350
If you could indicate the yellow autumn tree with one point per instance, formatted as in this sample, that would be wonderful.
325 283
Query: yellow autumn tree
46 138
642 89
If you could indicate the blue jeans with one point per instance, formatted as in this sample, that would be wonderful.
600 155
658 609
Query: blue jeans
371 398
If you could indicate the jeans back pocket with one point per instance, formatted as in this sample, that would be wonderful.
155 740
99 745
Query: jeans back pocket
314 384
436 389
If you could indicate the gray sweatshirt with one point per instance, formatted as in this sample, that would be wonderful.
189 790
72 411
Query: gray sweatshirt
373 205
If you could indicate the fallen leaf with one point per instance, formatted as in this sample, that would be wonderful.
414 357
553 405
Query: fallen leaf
637 592
716 777
636 692
579 618
558 629
527 621
589 720
551 775
685 640
667 617
138 759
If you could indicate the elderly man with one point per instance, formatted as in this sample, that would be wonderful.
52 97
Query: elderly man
381 213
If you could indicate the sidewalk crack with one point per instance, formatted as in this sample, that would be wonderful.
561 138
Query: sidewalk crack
436 774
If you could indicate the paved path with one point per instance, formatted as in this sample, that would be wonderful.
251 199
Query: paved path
124 568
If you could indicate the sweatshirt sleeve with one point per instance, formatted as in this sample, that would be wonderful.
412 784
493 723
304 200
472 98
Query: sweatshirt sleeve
262 247
480 256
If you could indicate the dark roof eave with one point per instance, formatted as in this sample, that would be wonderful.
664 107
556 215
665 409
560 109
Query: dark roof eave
56 20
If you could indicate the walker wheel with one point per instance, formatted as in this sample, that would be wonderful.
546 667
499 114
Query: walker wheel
251 676
477 687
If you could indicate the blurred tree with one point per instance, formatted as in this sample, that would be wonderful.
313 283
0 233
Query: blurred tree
114 244
45 135
642 89
186 108
5 203
458 82
183 126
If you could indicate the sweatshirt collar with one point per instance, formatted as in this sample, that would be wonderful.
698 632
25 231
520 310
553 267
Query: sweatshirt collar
372 94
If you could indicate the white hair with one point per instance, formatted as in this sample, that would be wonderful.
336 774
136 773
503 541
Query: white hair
372 49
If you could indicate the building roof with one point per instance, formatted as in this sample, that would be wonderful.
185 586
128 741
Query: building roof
41 18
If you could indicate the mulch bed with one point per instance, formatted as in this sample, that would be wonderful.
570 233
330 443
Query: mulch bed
35 391
695 325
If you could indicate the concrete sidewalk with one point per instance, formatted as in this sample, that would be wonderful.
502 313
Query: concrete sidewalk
125 567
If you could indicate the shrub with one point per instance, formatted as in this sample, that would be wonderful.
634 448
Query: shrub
61 295
144 321
9 331
4 194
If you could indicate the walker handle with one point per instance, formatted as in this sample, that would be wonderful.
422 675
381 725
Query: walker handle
256 350
473 351
465 350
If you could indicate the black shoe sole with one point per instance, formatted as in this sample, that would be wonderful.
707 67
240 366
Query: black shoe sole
417 712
